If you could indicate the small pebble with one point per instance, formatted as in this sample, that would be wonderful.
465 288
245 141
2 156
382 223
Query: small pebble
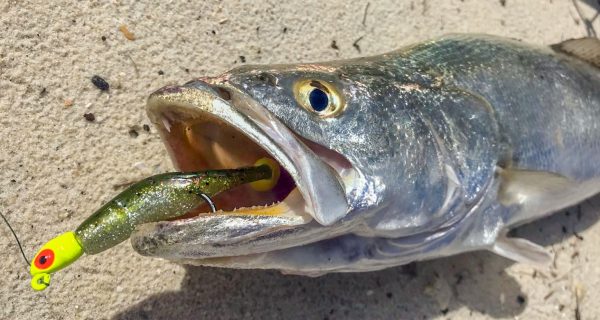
160 72
243 59
100 83
125 31
68 102
334 45
103 38
520 299
89 117
146 128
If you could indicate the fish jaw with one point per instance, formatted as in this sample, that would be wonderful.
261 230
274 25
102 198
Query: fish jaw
198 123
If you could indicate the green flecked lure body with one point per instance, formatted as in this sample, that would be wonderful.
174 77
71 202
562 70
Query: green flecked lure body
157 198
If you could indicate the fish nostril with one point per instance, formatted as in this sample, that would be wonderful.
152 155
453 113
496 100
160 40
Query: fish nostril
223 93
267 78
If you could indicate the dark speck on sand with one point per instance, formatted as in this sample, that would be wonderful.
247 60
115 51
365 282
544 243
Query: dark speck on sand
133 133
100 83
89 117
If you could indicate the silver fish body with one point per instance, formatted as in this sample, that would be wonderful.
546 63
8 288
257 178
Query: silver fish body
432 150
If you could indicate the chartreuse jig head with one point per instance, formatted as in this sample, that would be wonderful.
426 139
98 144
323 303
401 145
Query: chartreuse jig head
53 256
158 198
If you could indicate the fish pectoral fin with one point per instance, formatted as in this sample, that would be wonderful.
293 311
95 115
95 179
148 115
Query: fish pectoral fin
521 250
586 49
524 186
535 192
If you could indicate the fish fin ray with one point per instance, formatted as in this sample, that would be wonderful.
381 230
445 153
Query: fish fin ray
586 49
519 186
521 250
535 192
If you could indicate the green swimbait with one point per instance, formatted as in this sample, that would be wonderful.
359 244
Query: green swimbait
157 198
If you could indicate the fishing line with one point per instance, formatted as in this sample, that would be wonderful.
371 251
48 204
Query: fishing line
16 238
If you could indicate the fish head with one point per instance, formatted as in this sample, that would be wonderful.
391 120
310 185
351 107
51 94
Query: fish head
251 112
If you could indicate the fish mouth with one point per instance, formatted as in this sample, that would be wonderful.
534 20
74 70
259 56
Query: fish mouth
208 124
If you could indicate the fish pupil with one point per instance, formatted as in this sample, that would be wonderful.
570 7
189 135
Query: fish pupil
43 260
318 99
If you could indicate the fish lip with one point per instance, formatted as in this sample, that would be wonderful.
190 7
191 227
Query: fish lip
318 183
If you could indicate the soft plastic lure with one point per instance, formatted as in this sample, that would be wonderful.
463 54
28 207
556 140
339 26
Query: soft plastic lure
153 199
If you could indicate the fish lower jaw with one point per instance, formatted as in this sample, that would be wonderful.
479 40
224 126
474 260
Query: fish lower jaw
292 206
223 233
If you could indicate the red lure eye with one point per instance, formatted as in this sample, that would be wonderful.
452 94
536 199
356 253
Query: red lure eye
45 259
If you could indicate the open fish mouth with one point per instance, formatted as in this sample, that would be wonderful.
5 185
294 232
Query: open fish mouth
207 124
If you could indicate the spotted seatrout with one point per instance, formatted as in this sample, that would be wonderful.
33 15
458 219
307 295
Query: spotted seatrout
431 150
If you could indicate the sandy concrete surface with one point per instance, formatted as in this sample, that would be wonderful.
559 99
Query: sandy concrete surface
56 167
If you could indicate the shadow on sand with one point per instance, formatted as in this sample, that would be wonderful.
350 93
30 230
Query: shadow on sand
477 281
588 22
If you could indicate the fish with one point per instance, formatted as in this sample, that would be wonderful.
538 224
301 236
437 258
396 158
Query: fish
432 150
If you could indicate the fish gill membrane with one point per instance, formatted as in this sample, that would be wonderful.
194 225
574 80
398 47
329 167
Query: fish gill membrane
157 198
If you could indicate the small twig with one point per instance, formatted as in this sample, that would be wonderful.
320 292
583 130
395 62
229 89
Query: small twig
589 27
355 44
577 291
135 68
124 184
364 20
564 275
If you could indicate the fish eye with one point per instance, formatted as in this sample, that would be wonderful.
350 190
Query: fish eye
319 97
44 259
